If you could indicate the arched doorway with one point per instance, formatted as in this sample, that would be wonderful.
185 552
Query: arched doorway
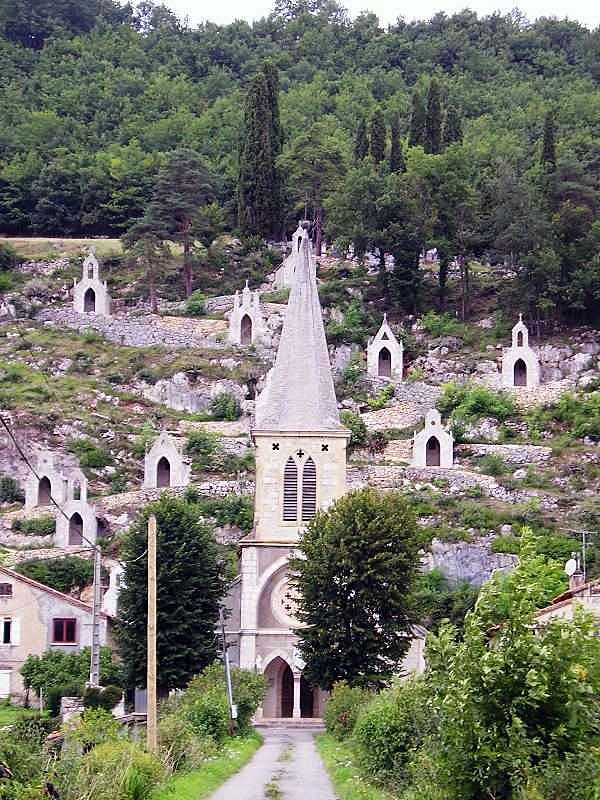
520 373
44 492
246 330
163 473
287 692
384 369
76 529
432 452
307 699
89 301
279 699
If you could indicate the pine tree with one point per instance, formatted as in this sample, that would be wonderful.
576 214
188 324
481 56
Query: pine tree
417 120
191 586
433 119
361 143
452 126
355 572
548 159
378 136
145 243
182 187
397 162
259 187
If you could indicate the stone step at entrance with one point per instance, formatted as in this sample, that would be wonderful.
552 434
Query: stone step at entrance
306 723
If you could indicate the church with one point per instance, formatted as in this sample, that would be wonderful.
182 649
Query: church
300 467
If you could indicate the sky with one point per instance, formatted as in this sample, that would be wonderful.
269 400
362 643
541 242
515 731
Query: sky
585 11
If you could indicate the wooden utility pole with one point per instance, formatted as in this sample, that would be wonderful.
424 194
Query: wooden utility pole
151 715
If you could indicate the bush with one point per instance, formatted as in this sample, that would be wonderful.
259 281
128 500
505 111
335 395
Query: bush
118 770
442 325
357 427
196 304
106 699
382 399
389 728
354 326
225 406
37 526
468 403
343 707
97 726
66 575
90 455
493 464
233 509
55 694
181 748
202 447
9 257
208 713
10 491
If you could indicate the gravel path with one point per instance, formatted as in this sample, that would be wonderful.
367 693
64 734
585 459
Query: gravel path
286 767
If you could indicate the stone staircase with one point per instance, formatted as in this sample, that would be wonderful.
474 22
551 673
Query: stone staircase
306 724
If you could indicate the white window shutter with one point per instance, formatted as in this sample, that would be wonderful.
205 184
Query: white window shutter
15 631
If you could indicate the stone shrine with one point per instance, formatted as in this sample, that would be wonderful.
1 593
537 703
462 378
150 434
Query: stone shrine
284 277
434 445
51 483
246 322
385 354
77 525
520 363
300 467
90 294
164 465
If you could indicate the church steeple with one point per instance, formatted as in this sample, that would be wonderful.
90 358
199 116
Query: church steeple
299 393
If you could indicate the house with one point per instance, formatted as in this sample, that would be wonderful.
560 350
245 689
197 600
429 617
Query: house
35 618
580 593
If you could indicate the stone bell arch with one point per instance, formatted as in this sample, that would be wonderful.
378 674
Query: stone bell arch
90 294
385 354
520 363
434 445
246 323
164 464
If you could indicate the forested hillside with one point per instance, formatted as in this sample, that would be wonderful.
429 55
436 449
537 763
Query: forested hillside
478 136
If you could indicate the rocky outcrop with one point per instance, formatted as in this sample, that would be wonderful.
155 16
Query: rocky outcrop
467 562
181 394
511 453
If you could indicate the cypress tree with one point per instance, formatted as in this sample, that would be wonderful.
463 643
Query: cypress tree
361 143
378 137
259 188
397 163
433 119
452 126
548 159
417 120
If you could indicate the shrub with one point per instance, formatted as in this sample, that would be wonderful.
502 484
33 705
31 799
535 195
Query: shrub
118 770
90 455
37 526
233 509
208 713
442 325
10 491
9 257
196 304
493 464
382 399
106 699
343 707
181 747
63 574
389 728
225 406
97 726
357 427
202 447
468 403
55 694
354 326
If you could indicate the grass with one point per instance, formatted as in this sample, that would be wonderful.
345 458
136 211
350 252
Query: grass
201 782
339 763
40 247
8 714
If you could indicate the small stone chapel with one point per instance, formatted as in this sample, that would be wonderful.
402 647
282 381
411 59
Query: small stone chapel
246 322
385 354
284 276
300 467
78 524
90 294
520 363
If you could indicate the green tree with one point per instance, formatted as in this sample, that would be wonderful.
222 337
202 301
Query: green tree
453 131
356 570
397 162
67 574
432 141
417 119
144 243
378 134
361 142
258 185
184 184
548 158
190 586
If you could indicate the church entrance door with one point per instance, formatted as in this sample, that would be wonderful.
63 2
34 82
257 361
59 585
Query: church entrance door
306 698
287 692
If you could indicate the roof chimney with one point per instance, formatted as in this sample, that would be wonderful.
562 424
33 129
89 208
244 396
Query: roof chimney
576 580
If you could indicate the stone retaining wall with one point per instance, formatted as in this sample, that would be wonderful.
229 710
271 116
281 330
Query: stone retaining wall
512 453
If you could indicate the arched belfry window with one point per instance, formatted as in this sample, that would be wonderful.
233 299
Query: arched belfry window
309 490
290 491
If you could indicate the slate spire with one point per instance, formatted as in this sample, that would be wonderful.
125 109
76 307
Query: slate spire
299 393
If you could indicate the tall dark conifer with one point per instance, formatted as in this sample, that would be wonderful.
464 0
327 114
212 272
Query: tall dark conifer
433 119
548 159
417 120
452 126
361 143
259 190
397 163
378 137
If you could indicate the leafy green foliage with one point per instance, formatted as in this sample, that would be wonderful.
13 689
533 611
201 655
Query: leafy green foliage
56 668
202 446
106 698
8 257
468 403
493 464
357 427
36 526
191 585
10 490
196 304
382 399
343 707
225 406
435 599
68 574
90 454
358 566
